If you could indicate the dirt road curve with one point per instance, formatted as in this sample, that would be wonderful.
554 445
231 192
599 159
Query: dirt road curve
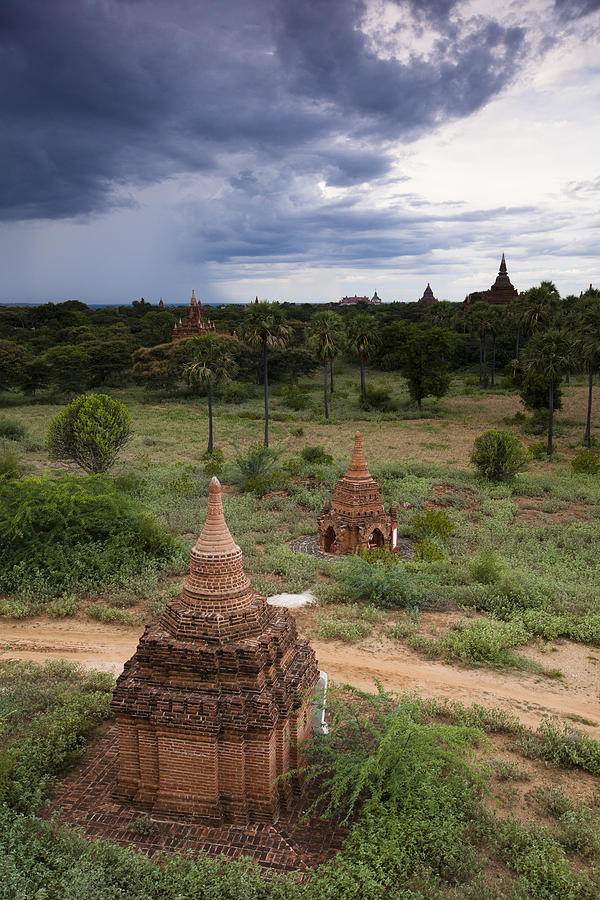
531 697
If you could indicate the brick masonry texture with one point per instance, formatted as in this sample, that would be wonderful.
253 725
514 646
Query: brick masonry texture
355 519
85 799
213 704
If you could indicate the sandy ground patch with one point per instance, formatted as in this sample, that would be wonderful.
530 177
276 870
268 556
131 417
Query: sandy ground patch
529 696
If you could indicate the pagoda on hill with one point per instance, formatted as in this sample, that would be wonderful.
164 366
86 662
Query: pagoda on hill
354 518
213 704
502 291
194 324
428 296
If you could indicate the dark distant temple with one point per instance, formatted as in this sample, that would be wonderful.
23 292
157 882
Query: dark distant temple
428 297
502 291
194 324
351 301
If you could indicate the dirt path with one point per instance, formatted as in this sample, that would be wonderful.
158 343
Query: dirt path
531 697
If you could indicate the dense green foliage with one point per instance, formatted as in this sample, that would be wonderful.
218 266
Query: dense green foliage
498 455
90 432
58 534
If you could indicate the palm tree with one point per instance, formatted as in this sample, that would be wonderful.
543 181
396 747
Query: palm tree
263 327
549 355
326 338
210 363
588 349
539 303
362 334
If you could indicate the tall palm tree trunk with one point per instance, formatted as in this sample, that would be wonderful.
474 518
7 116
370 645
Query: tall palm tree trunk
550 415
493 359
331 376
363 389
480 360
517 342
588 421
325 390
266 386
210 417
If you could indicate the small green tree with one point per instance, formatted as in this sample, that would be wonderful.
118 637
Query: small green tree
363 336
425 363
89 432
326 337
263 327
549 355
210 364
68 368
498 455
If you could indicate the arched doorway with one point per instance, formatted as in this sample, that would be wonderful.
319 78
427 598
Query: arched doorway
329 540
376 538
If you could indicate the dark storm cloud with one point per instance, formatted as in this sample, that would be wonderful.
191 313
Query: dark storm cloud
575 9
103 96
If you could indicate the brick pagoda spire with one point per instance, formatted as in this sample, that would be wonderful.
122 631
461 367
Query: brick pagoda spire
217 696
355 517
428 296
502 291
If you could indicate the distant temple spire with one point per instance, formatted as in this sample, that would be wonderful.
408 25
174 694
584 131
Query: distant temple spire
428 296
502 291
194 324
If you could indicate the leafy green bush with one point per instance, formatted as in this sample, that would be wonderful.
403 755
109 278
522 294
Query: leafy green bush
586 462
89 432
498 455
386 585
235 392
295 398
429 523
10 465
257 472
336 627
213 461
73 532
378 398
316 455
12 430
47 711
538 451
111 616
562 746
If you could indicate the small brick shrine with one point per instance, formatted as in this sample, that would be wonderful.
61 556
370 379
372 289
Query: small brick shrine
194 324
217 696
355 518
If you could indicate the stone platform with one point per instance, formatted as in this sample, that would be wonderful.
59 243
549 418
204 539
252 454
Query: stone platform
84 798
309 543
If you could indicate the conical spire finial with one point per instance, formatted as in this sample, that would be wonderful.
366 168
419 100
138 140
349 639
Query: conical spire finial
502 266
215 537
358 464
193 298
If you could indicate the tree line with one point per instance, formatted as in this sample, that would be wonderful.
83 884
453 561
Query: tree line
534 344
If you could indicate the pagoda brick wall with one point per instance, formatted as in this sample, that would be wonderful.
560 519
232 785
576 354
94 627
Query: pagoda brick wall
218 695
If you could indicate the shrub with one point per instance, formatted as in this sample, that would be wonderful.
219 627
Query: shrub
257 470
538 451
432 523
73 531
143 827
382 584
294 398
498 455
235 392
213 461
316 455
90 432
339 628
378 398
10 465
586 462
11 429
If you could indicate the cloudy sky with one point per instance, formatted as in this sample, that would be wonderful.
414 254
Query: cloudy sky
296 149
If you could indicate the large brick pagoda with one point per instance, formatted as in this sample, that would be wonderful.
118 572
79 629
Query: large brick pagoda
354 518
194 324
502 291
211 707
